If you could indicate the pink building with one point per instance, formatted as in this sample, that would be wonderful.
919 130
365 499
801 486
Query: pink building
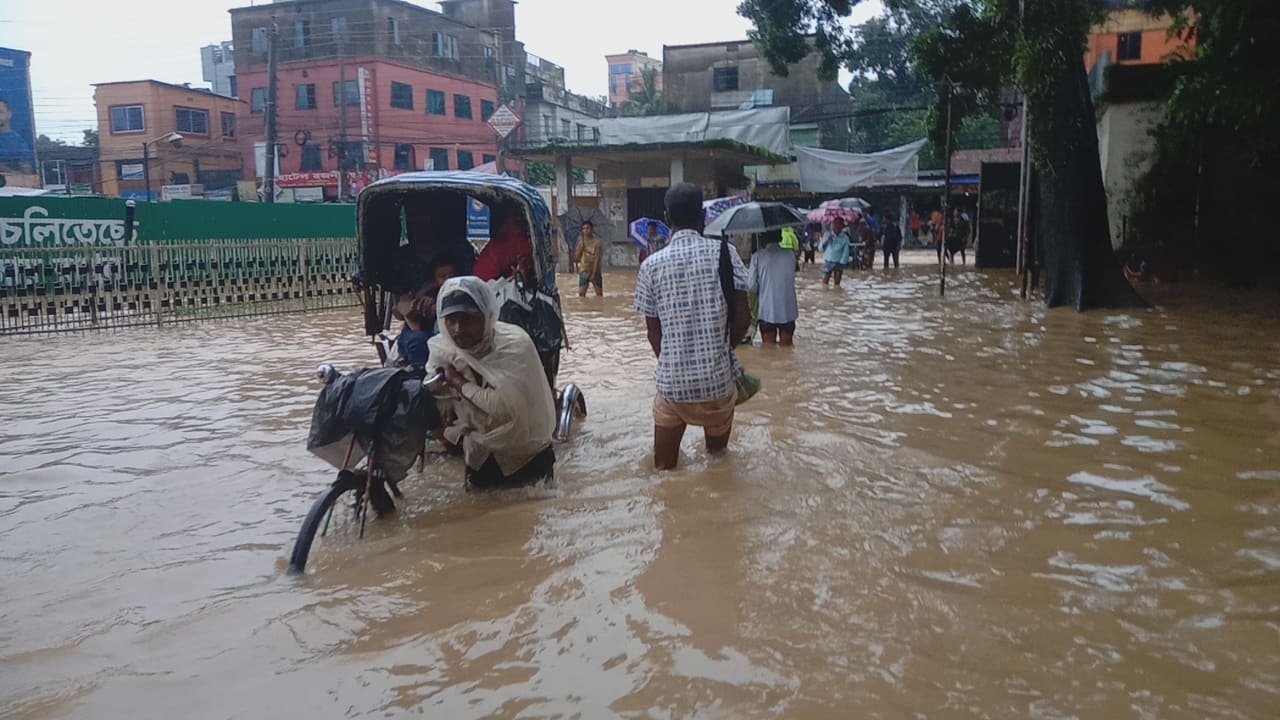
374 87
397 119
625 74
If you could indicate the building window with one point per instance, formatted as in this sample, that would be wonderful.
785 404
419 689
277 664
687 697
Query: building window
465 161
435 103
486 110
228 125
306 97
490 59
257 100
235 88
1129 46
582 131
301 33
404 157
725 79
439 159
352 93
613 88
191 120
179 178
546 126
338 28
444 46
462 107
127 119
487 158
258 41
620 69
393 29
401 96
595 135
311 158
566 128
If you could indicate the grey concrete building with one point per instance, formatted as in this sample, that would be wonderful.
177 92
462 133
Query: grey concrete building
218 66
553 114
732 75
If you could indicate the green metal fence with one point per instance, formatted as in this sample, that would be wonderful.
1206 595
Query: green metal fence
72 265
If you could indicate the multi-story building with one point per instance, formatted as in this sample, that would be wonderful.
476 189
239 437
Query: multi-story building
733 75
553 114
626 75
218 68
368 87
1132 36
136 142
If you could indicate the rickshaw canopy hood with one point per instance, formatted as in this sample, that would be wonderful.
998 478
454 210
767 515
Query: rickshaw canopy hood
444 196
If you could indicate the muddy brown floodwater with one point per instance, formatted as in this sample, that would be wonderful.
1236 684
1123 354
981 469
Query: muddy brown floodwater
961 508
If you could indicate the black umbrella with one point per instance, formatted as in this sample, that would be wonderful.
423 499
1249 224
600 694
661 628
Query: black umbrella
571 223
754 217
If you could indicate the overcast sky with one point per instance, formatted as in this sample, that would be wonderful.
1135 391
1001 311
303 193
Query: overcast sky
75 43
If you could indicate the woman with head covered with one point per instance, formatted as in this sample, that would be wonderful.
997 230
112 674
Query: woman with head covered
503 415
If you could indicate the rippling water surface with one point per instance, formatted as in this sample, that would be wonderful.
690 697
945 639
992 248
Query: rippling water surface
946 508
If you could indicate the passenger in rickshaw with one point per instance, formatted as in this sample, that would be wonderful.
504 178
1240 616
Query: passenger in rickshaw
507 252
416 307
502 413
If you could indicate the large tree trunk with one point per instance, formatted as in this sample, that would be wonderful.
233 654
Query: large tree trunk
1072 233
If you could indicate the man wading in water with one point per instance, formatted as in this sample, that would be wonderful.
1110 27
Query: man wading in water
686 312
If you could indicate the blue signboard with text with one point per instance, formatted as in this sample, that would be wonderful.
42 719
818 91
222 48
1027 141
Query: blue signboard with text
477 220
17 121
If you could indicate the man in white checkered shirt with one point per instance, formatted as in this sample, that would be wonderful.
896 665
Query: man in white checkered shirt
680 294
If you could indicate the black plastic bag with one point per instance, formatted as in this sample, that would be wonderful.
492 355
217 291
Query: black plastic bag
540 318
387 411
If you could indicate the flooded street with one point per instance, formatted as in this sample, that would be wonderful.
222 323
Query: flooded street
947 508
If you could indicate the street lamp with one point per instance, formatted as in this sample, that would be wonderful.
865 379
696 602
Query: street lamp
172 138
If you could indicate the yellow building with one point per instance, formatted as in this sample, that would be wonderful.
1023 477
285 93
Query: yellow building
169 134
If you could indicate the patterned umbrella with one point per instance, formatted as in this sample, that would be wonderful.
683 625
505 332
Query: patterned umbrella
827 215
712 208
638 231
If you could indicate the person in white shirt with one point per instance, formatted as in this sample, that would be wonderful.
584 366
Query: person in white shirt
773 277
692 325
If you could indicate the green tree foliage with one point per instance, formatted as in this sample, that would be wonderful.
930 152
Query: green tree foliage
90 139
983 46
648 99
543 174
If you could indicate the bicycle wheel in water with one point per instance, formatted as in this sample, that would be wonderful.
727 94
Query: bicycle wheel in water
347 482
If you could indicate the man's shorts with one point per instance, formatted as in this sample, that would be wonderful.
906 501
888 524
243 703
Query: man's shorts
586 278
716 417
783 327
831 267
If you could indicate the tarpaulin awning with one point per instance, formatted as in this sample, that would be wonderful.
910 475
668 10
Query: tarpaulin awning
831 171
767 128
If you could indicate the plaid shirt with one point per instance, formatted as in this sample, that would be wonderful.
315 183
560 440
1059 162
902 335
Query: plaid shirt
681 287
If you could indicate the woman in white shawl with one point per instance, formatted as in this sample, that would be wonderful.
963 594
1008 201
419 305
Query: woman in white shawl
504 415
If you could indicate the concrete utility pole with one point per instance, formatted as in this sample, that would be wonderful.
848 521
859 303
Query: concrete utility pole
342 121
946 196
269 183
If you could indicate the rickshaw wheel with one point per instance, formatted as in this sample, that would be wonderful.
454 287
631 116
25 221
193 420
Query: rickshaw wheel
318 515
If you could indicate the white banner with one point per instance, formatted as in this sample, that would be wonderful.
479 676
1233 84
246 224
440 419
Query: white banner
830 171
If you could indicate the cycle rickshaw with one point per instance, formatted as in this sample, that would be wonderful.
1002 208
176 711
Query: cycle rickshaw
372 424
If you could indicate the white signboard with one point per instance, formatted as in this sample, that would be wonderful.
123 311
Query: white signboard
181 192
503 121
831 171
